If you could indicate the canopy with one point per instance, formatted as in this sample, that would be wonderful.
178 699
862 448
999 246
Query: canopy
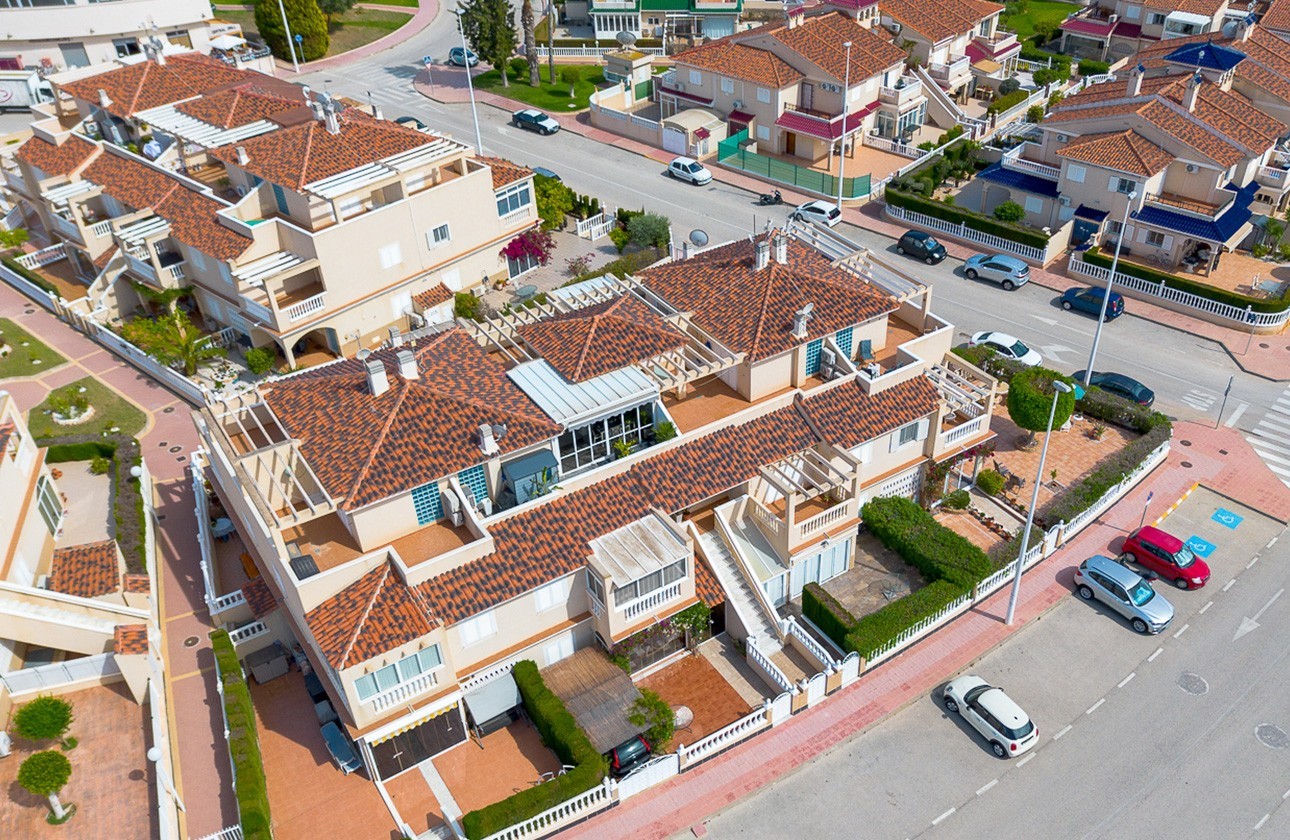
227 42
495 697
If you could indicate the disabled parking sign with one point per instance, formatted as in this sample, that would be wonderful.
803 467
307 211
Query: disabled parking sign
1200 547
1225 517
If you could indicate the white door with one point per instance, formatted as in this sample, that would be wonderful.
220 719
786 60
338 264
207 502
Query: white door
774 589
561 648
673 140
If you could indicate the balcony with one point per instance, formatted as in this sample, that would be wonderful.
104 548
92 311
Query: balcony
952 73
1170 201
996 44
603 5
66 227
299 311
649 604
1273 177
170 273
403 692
1013 159
906 90
15 181
98 230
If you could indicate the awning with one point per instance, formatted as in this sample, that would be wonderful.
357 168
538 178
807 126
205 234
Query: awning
1090 214
227 42
742 117
407 727
495 697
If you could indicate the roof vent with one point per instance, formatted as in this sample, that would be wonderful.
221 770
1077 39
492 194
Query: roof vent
763 254
242 157
800 319
1135 80
1193 92
104 100
377 380
407 365
330 114
781 248
487 441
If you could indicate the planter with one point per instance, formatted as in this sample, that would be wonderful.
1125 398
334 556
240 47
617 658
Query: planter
73 420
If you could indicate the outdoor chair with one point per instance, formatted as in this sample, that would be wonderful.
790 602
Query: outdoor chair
866 351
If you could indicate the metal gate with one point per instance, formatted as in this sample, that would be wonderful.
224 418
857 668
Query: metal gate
673 140
659 770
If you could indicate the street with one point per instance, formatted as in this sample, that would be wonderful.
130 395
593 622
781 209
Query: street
1178 735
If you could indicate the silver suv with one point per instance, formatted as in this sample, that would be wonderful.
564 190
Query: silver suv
1124 591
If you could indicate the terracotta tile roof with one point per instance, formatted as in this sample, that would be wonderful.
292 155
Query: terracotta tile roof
1126 151
937 20
1277 16
604 337
1209 8
373 615
706 585
752 311
130 639
432 297
504 172
244 104
741 61
365 448
57 159
259 598
1262 76
137 584
819 40
301 154
101 261
191 215
138 87
849 417
88 570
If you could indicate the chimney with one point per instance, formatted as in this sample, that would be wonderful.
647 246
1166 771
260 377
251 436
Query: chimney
800 317
763 255
1245 28
407 365
377 381
330 117
104 100
781 248
795 14
376 112
1135 80
242 157
487 442
1193 92
158 51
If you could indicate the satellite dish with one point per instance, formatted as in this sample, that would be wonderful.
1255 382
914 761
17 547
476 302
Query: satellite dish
364 354
627 39
698 237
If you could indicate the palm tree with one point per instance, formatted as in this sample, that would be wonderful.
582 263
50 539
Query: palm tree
530 41
45 774
188 346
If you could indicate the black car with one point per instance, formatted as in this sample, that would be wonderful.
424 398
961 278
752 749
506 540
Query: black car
628 755
1120 385
921 246
534 120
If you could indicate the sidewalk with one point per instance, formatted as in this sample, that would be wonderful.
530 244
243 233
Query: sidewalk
426 13
1219 459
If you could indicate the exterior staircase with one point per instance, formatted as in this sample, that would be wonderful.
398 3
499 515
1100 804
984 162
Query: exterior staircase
941 109
760 626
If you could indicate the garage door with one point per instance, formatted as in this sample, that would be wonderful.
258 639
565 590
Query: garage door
673 140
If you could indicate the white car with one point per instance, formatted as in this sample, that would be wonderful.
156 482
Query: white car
1007 346
993 714
823 212
689 169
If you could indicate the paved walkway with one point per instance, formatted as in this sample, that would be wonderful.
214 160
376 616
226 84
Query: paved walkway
425 15
1219 459
168 437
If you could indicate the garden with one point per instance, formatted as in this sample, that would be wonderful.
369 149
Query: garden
325 27
86 406
21 354
44 723
250 786
571 89
117 456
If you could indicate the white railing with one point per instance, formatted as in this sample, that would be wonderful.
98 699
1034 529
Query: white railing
143 268
66 226
476 680
304 308
886 144
912 634
1156 288
913 87
1013 160
175 381
15 179
1031 66
1273 173
962 231
581 806
175 272
597 226
592 52
54 675
226 602
101 229
769 668
43 257
823 520
727 736
247 632
652 601
792 628
233 832
1111 496
403 691
224 338
765 517
949 70
962 431
657 770
257 310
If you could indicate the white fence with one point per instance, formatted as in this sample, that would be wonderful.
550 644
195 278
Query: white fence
658 770
597 226
886 144
1246 316
28 288
44 256
172 379
233 832
592 52
715 742
960 230
583 805
55 675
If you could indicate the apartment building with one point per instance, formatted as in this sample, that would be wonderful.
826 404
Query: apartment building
300 223
958 42
663 19
1110 30
63 34
511 489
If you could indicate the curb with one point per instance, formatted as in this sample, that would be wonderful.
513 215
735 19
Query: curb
1174 506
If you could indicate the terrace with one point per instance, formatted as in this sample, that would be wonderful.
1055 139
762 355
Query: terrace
711 400
481 771
324 543
876 577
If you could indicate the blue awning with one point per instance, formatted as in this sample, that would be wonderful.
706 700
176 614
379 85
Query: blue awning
1089 214
1219 230
1025 182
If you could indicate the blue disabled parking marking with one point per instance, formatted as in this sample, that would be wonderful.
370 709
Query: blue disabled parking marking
1200 547
1223 516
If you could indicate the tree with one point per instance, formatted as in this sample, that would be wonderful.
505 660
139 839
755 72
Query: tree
570 76
45 774
334 7
13 238
307 22
653 711
174 340
1010 211
1030 398
554 201
649 229
534 242
163 299
490 31
528 22
43 719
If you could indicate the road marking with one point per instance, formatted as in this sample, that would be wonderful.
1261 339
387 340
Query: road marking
1152 657
1236 415
1023 761
1228 585
1126 680
1249 625
1095 706
1207 606
1260 823
944 816
987 786
1286 795
1181 630
1272 542
1253 560
1063 732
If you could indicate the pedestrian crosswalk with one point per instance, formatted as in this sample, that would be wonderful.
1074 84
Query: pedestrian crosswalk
1270 437
1199 400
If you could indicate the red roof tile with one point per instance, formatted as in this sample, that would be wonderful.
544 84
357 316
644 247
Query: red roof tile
849 417
706 585
247 103
824 129
937 20
57 159
1126 151
432 297
373 615
138 87
819 40
259 598
1277 16
88 570
747 62
137 584
601 338
505 172
130 639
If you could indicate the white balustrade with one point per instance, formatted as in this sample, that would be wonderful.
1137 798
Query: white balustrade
304 308
227 602
797 631
727 736
247 632
570 811
769 668
651 602
176 271
43 257
823 520
1013 160
962 231
961 432
101 229
404 691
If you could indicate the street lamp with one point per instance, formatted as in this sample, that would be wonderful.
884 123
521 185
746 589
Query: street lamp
842 144
1059 388
291 41
1106 296
154 755
470 84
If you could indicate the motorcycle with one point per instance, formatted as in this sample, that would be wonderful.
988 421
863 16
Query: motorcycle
767 199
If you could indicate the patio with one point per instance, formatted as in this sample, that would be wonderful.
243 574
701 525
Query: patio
598 694
862 160
709 400
1236 272
877 576
89 505
695 683
974 530
481 772
63 276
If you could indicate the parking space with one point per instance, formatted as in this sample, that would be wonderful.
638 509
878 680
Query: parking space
1223 532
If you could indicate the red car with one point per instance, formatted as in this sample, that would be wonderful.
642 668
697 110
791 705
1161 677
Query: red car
1167 556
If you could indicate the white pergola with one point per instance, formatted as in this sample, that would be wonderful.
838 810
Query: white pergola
960 393
805 473
335 186
256 272
171 120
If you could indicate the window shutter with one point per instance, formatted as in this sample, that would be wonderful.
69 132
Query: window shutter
1076 173
894 441
922 429
1142 234
1168 243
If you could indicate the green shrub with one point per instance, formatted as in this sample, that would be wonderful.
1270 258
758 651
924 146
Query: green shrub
976 221
956 500
1061 63
1173 281
1082 495
649 229
1035 114
654 712
1030 400
64 452
1091 67
465 305
243 742
1045 76
30 276
664 431
620 237
259 360
306 21
877 629
100 465
1009 211
1003 103
43 719
991 362
1008 87
68 401
1112 408
937 552
519 67
827 613
989 482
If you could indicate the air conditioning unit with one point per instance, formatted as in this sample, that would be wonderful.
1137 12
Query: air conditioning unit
828 364
1064 200
680 86
1191 167
1062 138
241 190
738 103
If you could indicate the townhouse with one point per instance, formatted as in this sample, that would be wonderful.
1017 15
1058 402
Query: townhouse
958 42
1110 30
296 221
576 473
663 19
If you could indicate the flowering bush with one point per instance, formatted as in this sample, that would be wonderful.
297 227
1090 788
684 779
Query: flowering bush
534 242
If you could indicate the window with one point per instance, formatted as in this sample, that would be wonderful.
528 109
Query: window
907 434
1114 227
391 255
763 132
1076 173
595 586
427 503
696 78
513 198
553 594
1124 185
1034 205
180 38
477 629
649 584
561 648
984 28
594 442
1155 238
1157 19
347 207
1132 12
405 670
440 235
727 86
51 508
197 259
280 198
126 47
763 94
521 265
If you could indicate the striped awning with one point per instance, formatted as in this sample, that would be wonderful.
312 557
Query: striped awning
407 727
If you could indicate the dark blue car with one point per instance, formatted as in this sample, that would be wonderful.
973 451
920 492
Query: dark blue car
1089 300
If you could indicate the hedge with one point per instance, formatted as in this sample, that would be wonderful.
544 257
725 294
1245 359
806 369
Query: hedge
937 552
976 221
1090 67
878 629
1173 281
560 732
61 453
1010 100
243 742
1112 408
827 613
990 362
30 276
1061 63
1082 495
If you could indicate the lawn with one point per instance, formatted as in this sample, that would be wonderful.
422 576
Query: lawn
110 410
1023 23
348 31
31 360
549 97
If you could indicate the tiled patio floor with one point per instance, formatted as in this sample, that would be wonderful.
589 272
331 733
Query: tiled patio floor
230 574
721 654
89 505
479 773
308 797
1236 272
415 801
111 785
695 683
875 573
967 525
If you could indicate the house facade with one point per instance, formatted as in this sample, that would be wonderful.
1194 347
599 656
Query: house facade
958 42
575 474
1110 30
664 19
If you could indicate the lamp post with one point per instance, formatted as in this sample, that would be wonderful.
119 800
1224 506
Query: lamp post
842 144
470 84
1059 388
154 755
1106 296
291 41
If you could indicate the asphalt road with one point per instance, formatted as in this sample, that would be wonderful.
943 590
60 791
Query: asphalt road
1181 735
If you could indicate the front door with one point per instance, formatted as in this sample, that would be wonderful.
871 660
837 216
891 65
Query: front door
806 96
790 143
